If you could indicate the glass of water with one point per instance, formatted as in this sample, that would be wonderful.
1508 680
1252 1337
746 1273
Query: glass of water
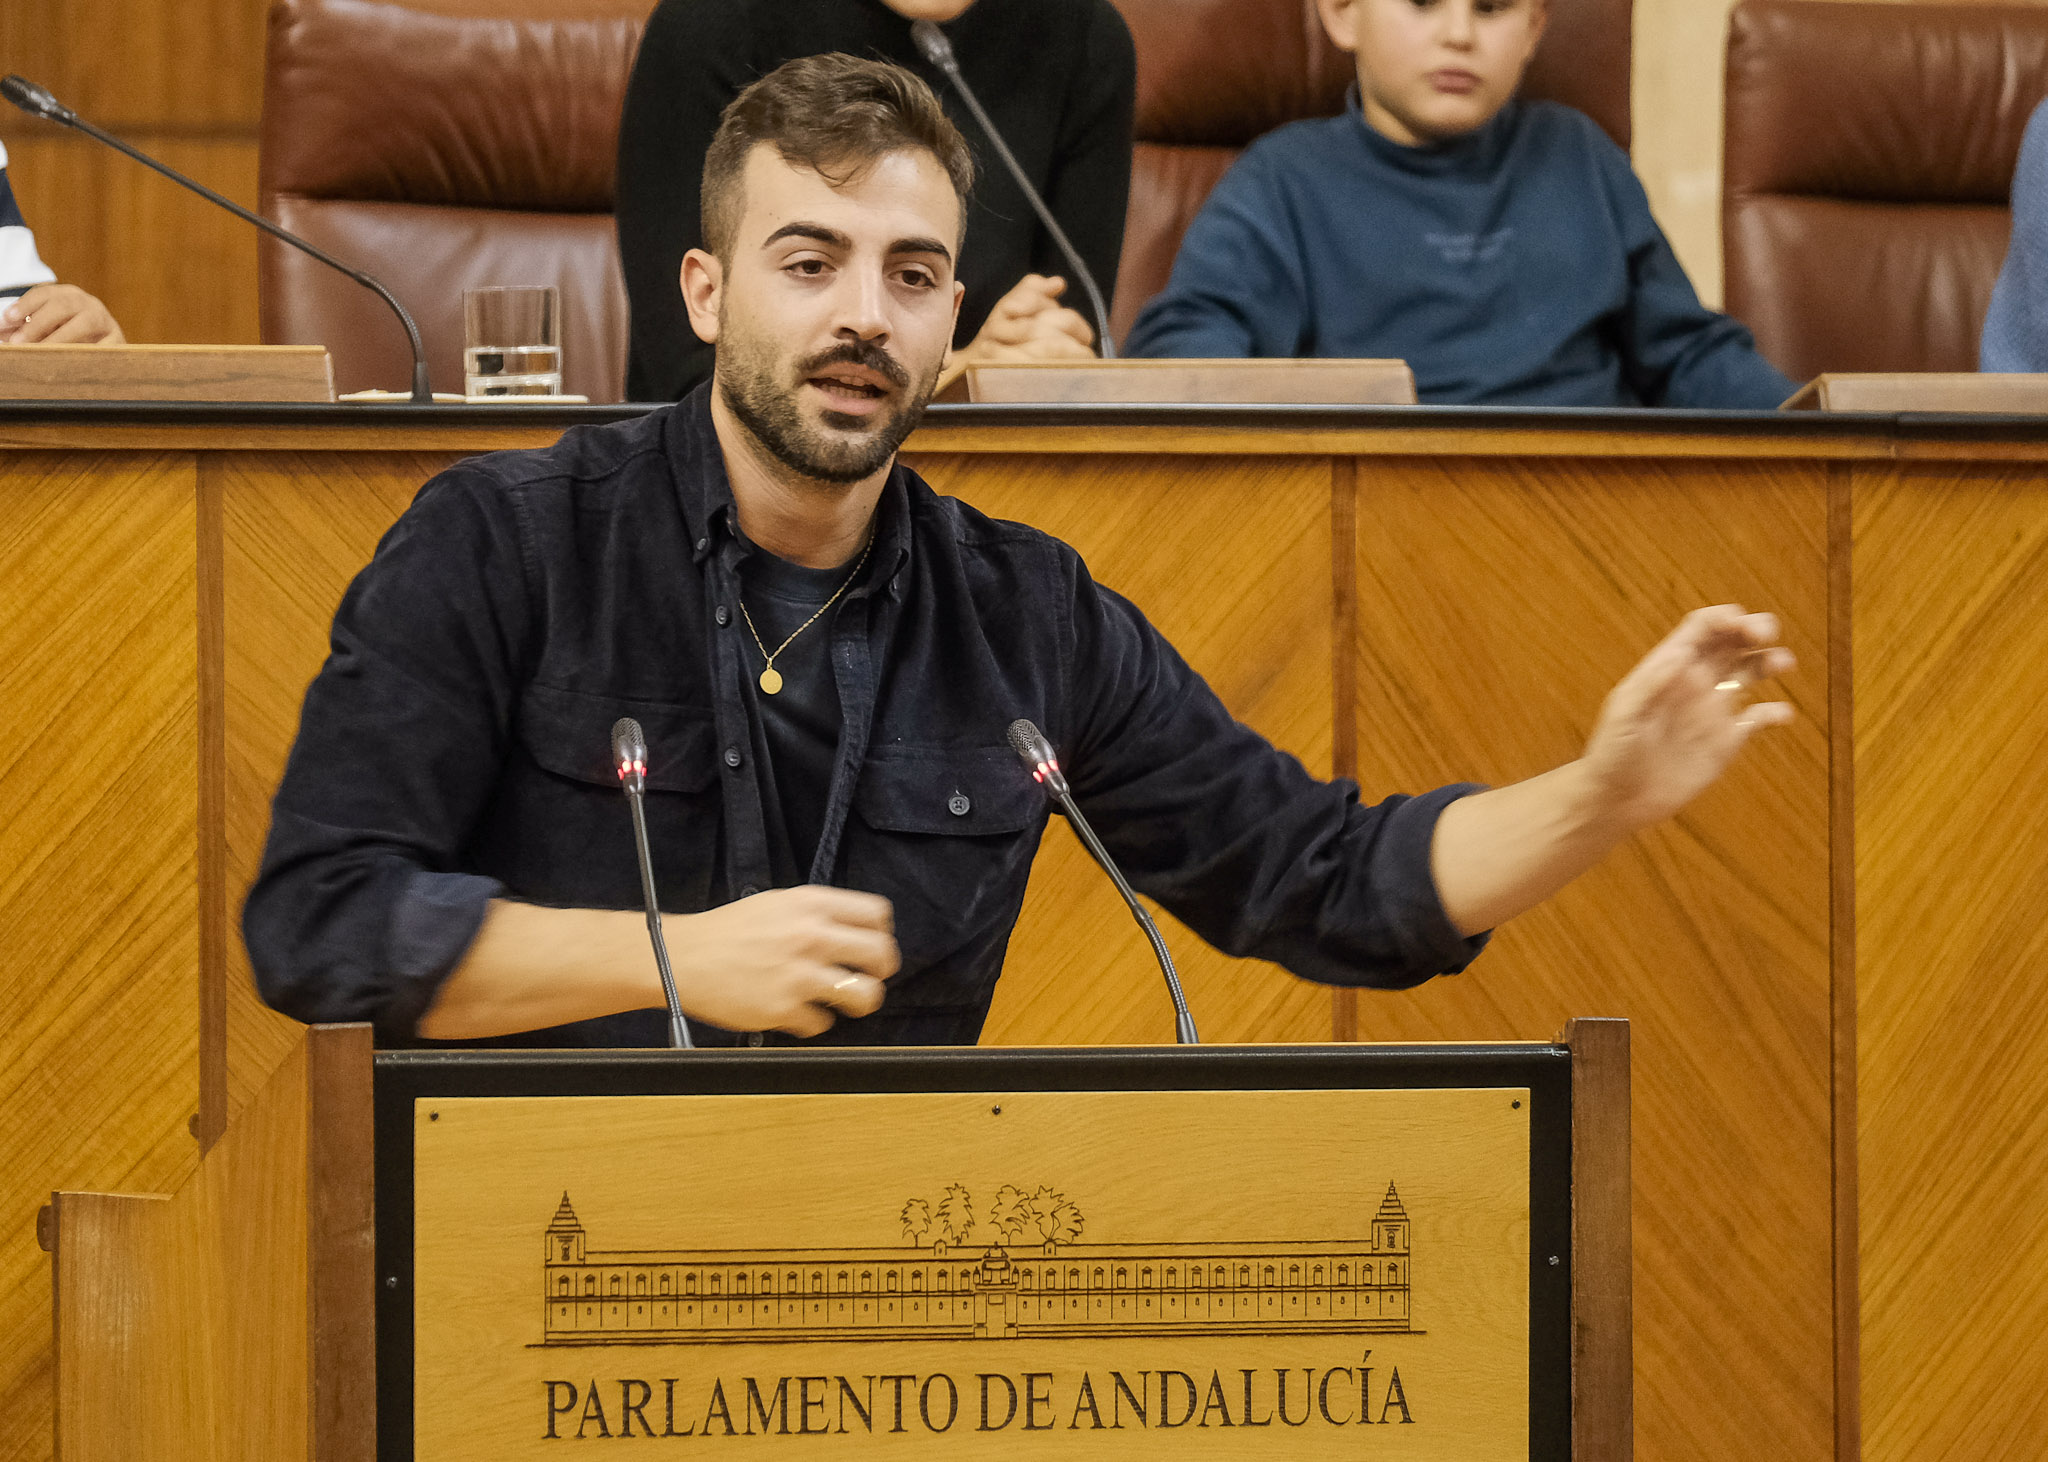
512 341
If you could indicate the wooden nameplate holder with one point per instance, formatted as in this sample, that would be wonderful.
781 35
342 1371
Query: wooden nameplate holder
300 374
1199 382
1229 1252
1959 392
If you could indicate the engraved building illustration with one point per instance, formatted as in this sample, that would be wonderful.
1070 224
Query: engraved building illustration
971 1291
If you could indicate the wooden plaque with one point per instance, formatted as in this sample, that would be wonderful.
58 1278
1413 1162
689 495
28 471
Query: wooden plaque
1965 392
992 1267
300 374
1204 382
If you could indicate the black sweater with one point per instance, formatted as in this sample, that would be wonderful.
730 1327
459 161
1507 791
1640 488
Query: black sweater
1057 76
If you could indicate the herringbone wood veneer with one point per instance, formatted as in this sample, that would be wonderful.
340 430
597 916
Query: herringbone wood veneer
1496 607
1952 959
1231 558
99 1020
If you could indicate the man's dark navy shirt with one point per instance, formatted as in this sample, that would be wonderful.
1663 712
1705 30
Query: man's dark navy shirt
455 748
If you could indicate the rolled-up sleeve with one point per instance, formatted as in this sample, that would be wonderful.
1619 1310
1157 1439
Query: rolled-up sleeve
1233 835
360 909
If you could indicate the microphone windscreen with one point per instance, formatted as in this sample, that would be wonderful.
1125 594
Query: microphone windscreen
1038 757
1029 742
29 97
629 743
933 43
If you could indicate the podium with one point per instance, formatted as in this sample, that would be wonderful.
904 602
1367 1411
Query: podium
1232 1252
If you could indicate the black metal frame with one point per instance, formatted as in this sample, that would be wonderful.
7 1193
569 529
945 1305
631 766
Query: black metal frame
403 1078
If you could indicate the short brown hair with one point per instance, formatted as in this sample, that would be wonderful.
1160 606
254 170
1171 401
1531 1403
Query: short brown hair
836 115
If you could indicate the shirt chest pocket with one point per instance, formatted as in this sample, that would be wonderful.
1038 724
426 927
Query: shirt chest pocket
947 835
570 818
569 734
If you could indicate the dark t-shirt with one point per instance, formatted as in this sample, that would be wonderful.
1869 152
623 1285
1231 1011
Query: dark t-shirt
1058 77
795 731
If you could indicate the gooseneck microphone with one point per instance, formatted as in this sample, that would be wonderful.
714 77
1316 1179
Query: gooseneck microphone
629 755
939 51
1039 759
38 102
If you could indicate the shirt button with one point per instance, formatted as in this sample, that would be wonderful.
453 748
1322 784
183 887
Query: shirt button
959 806
723 616
732 757
702 544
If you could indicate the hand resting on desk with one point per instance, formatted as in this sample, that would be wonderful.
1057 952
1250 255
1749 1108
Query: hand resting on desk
58 314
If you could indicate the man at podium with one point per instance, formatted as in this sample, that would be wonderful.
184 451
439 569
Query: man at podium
825 655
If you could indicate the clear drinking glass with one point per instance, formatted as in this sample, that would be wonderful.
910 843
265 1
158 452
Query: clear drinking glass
512 341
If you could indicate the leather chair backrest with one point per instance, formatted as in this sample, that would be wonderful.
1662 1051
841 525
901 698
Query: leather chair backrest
1868 165
439 145
1215 74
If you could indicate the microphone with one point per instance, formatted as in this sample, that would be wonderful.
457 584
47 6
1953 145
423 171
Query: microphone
939 51
38 102
1037 755
629 755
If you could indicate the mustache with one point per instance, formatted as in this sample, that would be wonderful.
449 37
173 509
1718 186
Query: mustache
858 353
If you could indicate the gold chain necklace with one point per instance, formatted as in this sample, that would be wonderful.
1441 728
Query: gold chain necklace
771 678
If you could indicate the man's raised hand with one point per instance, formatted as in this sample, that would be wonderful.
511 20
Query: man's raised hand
1673 724
1665 733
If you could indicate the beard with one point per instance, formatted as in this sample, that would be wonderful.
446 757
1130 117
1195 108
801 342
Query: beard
750 380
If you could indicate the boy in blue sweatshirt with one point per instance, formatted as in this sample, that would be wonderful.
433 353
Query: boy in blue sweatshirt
1503 248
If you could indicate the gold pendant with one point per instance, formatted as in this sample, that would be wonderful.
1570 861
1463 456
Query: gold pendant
771 681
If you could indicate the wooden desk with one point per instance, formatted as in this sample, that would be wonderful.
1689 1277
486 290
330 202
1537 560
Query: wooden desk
1832 962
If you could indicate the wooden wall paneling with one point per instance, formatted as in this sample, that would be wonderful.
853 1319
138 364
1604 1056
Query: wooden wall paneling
1496 607
173 268
98 825
297 527
134 65
233 1319
1951 620
1256 623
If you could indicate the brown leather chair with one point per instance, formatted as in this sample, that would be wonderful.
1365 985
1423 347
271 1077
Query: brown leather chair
1215 74
443 144
1869 159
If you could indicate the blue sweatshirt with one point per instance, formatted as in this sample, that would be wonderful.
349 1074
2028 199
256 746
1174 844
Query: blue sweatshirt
1517 264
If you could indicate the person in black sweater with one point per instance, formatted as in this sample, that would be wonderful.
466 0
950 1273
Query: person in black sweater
1058 77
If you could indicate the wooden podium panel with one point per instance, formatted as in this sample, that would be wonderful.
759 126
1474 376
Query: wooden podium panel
1229 1252
1053 1252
